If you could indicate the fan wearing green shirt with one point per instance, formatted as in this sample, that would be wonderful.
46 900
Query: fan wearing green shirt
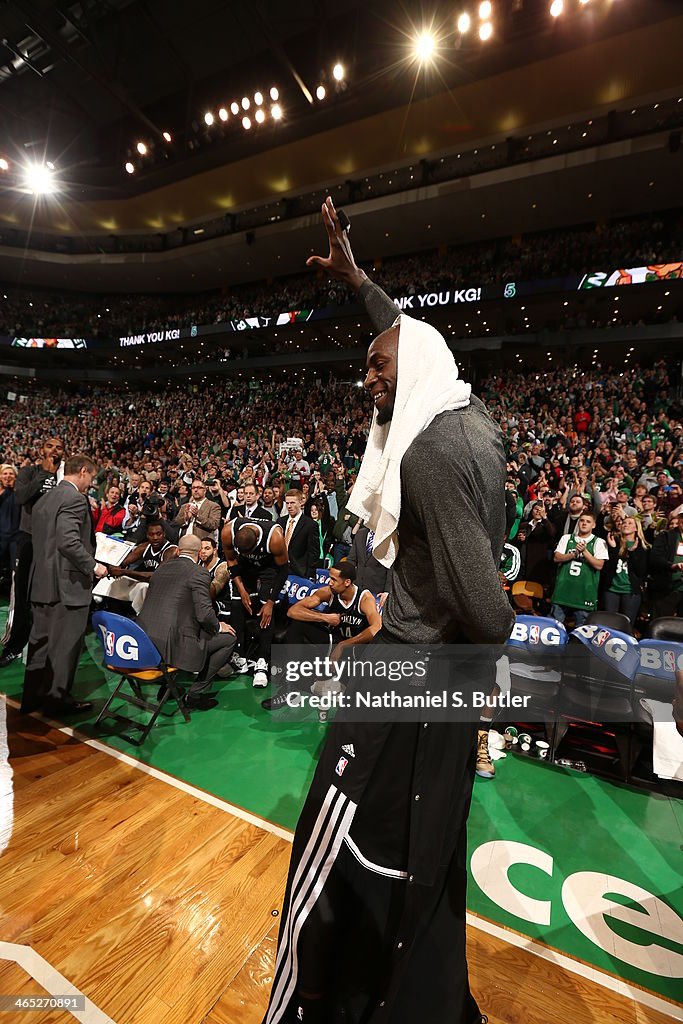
624 575
580 557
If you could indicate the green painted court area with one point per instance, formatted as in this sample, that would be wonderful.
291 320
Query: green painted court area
591 868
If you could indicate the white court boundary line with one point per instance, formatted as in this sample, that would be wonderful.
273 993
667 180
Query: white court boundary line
513 938
49 978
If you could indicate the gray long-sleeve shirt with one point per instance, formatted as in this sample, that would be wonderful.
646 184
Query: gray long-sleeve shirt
452 524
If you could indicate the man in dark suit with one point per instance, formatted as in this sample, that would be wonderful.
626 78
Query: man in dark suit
252 508
370 574
33 482
179 618
301 536
60 587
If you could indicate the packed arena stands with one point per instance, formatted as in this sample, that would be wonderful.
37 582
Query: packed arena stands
614 437
641 241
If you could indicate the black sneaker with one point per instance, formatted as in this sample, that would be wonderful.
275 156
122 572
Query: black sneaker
203 702
8 657
282 699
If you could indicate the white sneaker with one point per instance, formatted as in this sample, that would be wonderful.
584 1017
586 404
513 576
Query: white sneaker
260 674
239 663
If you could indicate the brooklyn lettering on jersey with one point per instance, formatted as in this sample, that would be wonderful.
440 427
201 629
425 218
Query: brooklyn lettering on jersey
352 619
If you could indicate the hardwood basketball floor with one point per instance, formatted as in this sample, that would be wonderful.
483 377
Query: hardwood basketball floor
159 906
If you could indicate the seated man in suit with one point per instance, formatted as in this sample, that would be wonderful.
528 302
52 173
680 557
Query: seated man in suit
179 618
301 536
199 516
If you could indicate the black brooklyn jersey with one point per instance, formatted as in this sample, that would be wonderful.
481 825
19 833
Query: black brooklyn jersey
152 559
353 621
259 559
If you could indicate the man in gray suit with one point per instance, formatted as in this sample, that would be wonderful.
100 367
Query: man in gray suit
179 618
60 587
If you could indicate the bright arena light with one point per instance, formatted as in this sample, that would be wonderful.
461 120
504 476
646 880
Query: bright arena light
246 103
208 117
274 94
141 148
130 168
556 8
425 45
39 179
485 10
235 107
4 165
223 114
260 116
167 136
276 112
320 92
246 123
464 22
258 99
338 72
485 31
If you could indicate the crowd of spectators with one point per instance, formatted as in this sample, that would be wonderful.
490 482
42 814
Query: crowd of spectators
629 243
601 443
595 465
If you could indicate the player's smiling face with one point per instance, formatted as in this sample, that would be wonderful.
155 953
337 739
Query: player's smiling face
382 363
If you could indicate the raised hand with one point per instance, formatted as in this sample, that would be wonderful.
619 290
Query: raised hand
340 264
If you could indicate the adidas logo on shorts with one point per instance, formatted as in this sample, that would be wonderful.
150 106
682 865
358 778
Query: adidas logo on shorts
348 749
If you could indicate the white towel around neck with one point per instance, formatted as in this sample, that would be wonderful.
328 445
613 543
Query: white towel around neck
427 384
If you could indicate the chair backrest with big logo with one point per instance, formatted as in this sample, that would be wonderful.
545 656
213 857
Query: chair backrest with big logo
125 644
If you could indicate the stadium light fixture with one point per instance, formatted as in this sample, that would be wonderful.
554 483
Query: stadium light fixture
485 10
260 116
464 22
485 31
276 112
235 108
141 148
274 94
208 118
223 114
425 47
246 103
258 99
167 136
338 72
246 123
321 92
130 168
39 179
4 165
556 8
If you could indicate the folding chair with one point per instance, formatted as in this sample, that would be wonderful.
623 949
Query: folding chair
597 691
130 653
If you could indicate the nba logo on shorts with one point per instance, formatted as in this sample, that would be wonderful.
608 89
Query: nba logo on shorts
341 765
669 661
534 634
601 637
109 643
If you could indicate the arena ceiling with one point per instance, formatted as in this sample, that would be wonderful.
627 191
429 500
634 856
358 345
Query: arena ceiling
81 82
